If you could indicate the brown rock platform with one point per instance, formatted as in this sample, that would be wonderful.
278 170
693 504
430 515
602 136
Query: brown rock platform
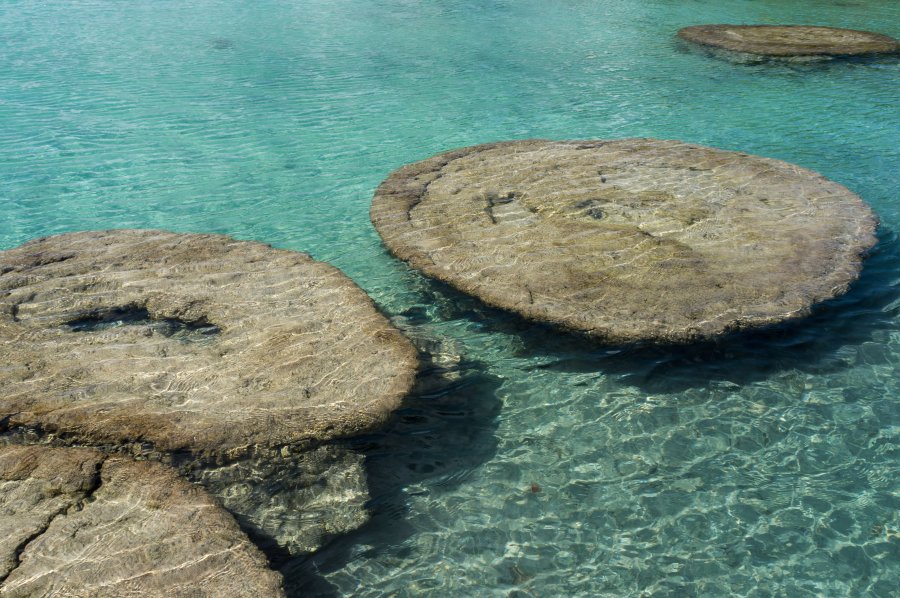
628 240
187 342
790 40
77 523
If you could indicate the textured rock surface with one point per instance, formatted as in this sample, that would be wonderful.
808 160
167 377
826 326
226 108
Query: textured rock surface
77 523
299 501
627 240
790 40
191 342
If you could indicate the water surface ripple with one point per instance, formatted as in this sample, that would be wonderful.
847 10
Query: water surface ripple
761 465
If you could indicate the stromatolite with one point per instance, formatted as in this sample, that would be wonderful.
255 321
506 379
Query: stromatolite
627 240
790 40
191 343
78 523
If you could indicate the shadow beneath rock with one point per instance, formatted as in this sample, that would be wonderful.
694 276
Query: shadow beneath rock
838 334
444 430
786 65
859 322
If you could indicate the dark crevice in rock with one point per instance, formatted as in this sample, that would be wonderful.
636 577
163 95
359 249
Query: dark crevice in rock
96 482
77 505
29 539
412 206
424 191
494 200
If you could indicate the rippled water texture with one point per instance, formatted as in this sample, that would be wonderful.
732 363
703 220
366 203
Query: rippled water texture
764 465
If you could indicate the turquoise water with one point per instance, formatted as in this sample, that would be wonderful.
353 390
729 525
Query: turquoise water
764 465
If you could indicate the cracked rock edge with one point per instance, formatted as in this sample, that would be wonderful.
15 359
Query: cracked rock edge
78 522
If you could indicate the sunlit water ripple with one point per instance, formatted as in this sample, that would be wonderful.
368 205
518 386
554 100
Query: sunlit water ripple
763 465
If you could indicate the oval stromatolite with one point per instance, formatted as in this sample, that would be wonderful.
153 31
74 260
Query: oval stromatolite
191 342
790 40
627 240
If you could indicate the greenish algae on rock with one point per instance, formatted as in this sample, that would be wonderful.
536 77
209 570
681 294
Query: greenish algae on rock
633 240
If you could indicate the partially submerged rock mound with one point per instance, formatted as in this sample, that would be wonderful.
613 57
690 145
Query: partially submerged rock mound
627 240
790 40
77 523
194 343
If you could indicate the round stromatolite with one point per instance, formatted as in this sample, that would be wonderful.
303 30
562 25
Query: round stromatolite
75 522
627 240
191 342
790 40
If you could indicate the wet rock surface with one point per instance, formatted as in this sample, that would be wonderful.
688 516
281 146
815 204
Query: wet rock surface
195 343
790 40
627 240
78 523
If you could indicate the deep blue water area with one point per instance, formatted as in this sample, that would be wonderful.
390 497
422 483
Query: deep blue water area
765 464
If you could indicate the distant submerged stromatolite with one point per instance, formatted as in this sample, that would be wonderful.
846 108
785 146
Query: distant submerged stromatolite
790 40
627 240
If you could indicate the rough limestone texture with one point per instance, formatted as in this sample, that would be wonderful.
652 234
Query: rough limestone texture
790 40
627 240
78 524
188 342
299 500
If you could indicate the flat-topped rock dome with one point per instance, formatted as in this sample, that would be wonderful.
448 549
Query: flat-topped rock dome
790 40
191 342
629 240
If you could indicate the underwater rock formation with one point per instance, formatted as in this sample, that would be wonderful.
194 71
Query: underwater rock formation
790 40
627 240
191 342
196 350
297 501
78 523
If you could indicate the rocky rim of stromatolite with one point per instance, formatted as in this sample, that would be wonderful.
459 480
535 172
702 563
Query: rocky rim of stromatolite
790 40
191 342
627 240
75 522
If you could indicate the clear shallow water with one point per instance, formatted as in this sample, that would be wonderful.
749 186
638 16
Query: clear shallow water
762 465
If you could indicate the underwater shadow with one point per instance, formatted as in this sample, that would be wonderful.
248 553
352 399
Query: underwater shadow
785 65
444 430
862 318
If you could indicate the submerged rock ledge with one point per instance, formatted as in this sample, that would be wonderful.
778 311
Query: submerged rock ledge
75 522
628 240
790 40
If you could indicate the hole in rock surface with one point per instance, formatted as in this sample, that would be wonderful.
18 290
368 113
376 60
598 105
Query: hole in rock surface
118 317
